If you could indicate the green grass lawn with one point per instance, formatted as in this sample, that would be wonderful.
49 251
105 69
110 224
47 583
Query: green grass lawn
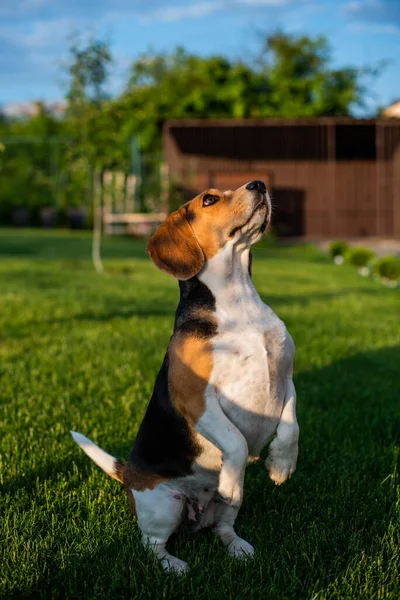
81 351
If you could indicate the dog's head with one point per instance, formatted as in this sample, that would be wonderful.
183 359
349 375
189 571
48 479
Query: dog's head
201 227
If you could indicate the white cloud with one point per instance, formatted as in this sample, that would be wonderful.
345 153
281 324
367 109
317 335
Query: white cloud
18 11
385 12
377 28
263 2
21 9
360 6
44 34
177 13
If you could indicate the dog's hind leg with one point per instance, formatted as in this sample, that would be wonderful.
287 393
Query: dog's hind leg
159 514
223 527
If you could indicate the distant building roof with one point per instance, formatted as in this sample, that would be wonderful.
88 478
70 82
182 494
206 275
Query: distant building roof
30 109
393 110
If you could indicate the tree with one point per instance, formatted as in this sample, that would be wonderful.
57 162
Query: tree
302 83
88 70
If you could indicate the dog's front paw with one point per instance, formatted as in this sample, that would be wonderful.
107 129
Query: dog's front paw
240 548
230 490
281 461
174 565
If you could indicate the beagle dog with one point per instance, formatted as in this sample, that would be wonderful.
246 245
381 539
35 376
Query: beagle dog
225 386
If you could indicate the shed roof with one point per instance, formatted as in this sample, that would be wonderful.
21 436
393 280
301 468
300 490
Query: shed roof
277 139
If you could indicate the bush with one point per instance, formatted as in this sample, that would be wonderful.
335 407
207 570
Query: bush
387 267
358 256
337 248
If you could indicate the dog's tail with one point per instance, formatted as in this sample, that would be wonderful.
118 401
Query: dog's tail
108 463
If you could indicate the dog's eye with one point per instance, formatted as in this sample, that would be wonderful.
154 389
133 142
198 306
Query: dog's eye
209 199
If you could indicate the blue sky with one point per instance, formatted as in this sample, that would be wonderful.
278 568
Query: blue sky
34 35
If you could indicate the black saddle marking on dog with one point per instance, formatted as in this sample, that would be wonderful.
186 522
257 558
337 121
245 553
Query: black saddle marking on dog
164 445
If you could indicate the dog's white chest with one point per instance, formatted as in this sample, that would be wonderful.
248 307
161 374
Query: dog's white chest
248 356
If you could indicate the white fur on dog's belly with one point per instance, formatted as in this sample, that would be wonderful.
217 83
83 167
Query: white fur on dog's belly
248 392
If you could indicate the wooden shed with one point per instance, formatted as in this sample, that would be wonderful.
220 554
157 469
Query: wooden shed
328 177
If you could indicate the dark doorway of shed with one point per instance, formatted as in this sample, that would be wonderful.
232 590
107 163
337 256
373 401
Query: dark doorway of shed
288 206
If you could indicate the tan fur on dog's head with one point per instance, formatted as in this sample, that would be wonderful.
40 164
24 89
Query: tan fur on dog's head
197 231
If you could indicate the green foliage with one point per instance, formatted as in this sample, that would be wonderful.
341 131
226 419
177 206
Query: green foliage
337 248
29 164
387 267
79 351
301 82
358 256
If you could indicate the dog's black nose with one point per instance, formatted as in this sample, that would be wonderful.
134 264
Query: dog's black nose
257 185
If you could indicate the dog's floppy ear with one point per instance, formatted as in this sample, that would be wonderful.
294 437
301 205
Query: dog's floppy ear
173 247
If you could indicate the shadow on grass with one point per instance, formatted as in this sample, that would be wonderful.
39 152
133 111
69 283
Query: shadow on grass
315 529
276 300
